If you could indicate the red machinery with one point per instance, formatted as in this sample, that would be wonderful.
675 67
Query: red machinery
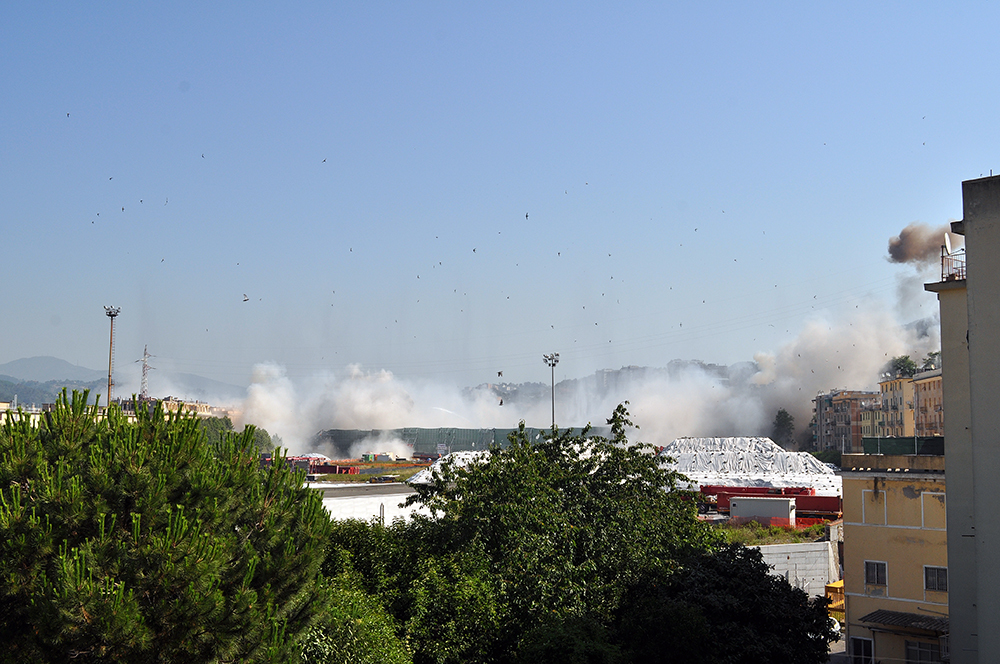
807 503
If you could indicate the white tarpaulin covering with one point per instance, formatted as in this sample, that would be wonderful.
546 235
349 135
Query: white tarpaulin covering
458 459
749 462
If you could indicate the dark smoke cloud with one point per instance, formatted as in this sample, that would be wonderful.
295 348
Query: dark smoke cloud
917 243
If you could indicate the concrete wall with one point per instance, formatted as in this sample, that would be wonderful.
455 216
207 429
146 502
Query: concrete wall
981 205
809 566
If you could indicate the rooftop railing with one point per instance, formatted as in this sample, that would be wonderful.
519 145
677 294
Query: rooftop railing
952 265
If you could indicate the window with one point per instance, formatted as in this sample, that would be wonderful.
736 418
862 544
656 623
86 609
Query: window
936 578
917 652
862 651
875 577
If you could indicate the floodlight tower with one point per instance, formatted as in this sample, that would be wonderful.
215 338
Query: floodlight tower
144 391
552 359
112 313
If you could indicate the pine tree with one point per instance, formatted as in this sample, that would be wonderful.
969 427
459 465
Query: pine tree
139 541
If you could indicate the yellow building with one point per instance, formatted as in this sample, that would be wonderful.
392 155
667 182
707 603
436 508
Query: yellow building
895 557
928 403
897 407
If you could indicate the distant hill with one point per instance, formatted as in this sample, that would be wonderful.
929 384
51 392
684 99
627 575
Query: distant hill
38 380
46 368
34 393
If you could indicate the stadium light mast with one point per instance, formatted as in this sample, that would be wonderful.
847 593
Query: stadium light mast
112 313
552 359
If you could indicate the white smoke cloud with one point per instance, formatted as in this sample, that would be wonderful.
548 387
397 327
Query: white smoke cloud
365 400
846 353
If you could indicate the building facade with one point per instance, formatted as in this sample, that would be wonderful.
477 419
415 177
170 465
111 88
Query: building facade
896 418
928 403
837 418
968 296
895 558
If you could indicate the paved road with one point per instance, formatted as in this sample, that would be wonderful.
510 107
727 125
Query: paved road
364 489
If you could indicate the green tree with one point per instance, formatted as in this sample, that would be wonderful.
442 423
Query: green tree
783 429
355 629
139 541
932 361
723 607
564 524
218 428
901 366
548 550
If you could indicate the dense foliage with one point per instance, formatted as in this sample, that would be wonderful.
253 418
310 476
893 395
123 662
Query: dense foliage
901 366
218 428
163 540
139 541
558 550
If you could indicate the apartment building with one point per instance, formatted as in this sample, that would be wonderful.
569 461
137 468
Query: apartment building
896 418
928 403
837 418
895 558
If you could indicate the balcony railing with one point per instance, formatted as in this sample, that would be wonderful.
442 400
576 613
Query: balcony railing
952 265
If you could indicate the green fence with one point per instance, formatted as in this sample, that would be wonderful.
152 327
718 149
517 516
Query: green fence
925 445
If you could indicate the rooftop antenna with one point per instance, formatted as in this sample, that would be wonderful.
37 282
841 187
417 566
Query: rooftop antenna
112 313
144 391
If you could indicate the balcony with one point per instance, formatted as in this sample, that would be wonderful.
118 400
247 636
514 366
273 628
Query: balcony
952 265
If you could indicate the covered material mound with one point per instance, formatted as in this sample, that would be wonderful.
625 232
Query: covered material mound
458 459
746 461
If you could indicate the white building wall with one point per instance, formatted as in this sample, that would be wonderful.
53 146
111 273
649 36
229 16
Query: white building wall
809 566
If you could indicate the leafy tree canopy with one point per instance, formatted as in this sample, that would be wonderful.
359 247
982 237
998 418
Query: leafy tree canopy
138 540
901 366
546 550
932 361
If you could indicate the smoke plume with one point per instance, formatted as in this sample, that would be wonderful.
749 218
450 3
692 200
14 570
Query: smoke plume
917 243
690 399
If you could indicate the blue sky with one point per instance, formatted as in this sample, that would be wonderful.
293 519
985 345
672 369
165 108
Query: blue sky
699 182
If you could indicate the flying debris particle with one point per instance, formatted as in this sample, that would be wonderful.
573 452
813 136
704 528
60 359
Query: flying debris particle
499 374
501 402
525 215
324 161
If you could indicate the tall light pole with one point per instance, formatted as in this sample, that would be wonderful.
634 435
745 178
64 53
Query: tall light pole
552 359
111 312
